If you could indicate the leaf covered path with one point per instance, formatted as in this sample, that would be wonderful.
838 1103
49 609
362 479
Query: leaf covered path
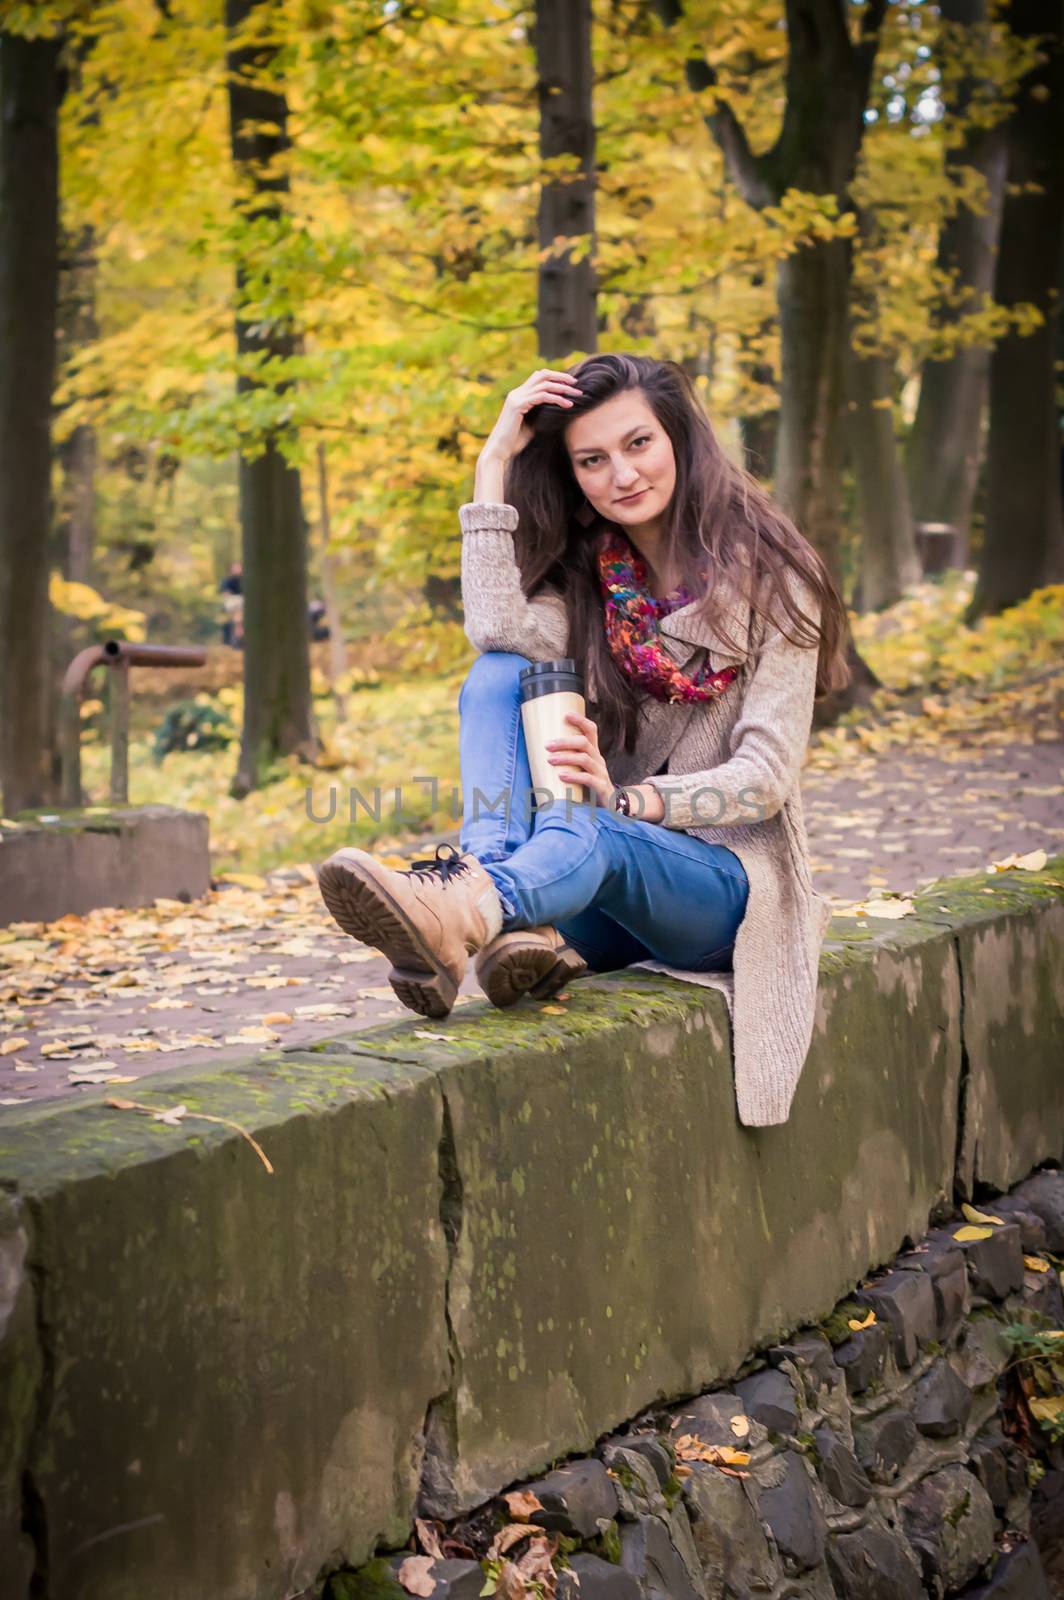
117 995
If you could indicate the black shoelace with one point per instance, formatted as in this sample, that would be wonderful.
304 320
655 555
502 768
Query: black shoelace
444 867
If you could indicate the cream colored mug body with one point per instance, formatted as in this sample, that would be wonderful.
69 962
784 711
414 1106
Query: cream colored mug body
550 691
543 719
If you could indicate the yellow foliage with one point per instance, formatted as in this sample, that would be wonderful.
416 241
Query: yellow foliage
80 601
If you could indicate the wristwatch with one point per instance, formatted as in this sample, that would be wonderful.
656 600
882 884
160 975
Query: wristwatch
622 802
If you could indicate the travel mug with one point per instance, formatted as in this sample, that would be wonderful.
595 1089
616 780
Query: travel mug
549 691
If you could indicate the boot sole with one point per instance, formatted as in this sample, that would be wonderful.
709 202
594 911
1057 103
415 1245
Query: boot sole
530 969
362 907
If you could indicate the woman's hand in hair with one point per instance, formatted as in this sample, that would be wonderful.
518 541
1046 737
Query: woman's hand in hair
511 432
577 758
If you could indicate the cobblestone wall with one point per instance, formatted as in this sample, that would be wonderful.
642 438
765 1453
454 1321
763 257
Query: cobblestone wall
907 1447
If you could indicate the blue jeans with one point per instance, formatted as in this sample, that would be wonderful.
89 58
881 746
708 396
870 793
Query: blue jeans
619 889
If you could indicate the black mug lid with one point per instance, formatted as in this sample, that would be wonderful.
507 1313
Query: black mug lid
559 664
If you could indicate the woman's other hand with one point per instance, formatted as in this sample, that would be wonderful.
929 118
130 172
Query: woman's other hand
578 759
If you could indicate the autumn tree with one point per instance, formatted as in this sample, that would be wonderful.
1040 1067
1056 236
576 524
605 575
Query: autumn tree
78 328
78 450
827 78
1023 538
29 280
278 715
888 560
566 320
944 450
405 249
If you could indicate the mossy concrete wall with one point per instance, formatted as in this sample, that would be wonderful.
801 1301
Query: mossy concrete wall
474 1255
1012 964
53 863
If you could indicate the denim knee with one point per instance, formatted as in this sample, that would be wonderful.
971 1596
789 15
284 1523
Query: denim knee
493 672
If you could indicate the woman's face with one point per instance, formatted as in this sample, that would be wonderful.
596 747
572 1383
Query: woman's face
623 459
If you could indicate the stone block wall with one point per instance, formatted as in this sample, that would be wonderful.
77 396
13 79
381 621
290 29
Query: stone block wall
887 1453
54 863
481 1252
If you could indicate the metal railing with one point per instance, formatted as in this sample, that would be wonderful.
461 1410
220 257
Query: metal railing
118 655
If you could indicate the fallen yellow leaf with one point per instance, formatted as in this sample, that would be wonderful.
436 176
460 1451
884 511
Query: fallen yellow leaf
521 1503
415 1575
689 1447
966 1235
1033 861
1035 1264
890 909
243 880
857 1323
981 1216
1047 1408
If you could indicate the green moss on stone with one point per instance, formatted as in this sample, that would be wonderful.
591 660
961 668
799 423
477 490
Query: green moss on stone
809 1447
374 1581
959 1510
609 1543
836 1326
672 1490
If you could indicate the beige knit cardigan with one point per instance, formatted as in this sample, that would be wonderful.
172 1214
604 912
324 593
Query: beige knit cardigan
744 748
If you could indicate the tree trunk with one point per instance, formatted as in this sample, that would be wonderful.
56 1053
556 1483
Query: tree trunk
1023 542
29 290
890 562
333 619
827 84
760 429
813 297
278 711
947 439
77 453
78 457
946 442
566 319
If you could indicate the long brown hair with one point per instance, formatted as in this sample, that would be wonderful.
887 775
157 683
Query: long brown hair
717 511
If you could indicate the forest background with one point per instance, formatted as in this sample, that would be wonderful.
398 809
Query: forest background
268 268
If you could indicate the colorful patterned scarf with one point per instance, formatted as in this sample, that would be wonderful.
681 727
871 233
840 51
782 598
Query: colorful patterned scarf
631 617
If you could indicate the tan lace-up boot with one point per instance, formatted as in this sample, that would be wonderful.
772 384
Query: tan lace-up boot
427 921
533 961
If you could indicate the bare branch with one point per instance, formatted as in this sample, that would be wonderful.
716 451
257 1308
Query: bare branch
751 174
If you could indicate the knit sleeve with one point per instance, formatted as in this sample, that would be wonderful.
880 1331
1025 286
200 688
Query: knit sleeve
498 616
767 742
